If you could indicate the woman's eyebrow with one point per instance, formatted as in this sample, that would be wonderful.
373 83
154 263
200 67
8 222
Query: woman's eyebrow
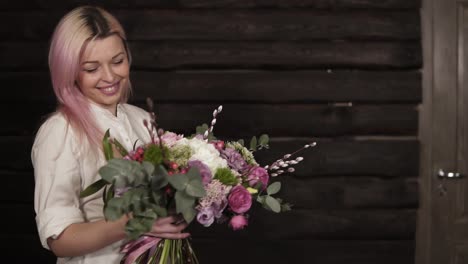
115 56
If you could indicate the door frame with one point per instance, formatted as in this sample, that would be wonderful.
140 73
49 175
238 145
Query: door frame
437 133
423 236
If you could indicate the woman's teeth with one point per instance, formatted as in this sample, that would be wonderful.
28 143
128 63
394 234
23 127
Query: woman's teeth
111 90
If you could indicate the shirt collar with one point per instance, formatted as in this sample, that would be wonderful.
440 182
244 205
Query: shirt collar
100 111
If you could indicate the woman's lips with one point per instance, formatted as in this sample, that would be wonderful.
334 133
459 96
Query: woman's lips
111 89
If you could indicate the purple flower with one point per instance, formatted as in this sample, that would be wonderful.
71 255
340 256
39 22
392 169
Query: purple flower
240 200
205 216
234 159
258 175
119 192
169 138
218 208
204 170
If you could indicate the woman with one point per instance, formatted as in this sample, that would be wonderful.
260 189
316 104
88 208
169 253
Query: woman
89 64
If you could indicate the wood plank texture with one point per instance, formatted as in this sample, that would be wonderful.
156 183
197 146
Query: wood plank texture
300 120
325 4
243 86
306 251
313 224
278 54
173 24
382 158
240 54
337 192
268 251
342 73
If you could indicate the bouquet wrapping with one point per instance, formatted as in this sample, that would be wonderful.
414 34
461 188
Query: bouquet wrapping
199 178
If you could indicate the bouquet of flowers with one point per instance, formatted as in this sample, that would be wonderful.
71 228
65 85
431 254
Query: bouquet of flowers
198 177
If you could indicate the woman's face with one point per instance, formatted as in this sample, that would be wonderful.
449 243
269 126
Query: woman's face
104 71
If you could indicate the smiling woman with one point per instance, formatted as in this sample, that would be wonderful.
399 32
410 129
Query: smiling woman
89 64
104 72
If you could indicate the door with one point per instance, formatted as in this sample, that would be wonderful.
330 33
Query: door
442 236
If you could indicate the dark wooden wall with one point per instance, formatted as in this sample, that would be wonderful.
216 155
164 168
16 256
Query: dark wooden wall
283 67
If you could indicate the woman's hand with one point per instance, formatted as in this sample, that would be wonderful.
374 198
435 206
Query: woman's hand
169 227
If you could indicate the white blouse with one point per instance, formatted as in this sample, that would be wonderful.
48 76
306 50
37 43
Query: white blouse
62 171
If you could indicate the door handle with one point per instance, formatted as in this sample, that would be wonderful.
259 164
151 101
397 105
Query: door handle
448 175
443 176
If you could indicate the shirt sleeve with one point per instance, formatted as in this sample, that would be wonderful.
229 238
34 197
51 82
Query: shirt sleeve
57 179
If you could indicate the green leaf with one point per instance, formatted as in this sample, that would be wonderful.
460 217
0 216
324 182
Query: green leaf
178 181
110 193
189 215
159 210
253 143
286 207
201 129
274 188
137 226
241 141
183 202
113 210
124 173
195 185
148 167
195 188
159 178
107 147
93 188
273 204
261 199
120 147
263 141
104 196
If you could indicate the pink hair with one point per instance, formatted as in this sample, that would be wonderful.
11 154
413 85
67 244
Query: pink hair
72 34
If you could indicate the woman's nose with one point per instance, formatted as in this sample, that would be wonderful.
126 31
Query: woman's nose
108 74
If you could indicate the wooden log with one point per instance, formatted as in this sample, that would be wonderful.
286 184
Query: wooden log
319 224
308 224
268 251
292 120
304 251
277 86
348 192
242 86
325 4
383 158
276 55
298 120
313 193
153 24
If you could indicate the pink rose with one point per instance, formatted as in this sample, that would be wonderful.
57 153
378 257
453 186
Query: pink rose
256 175
238 222
240 199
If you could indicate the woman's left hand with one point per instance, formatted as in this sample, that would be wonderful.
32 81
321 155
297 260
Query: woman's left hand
169 227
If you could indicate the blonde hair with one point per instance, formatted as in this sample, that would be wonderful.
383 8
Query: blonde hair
70 38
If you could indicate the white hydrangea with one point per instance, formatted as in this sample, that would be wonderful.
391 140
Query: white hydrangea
204 152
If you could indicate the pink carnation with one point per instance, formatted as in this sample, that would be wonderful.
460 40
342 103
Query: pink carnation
240 199
238 222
